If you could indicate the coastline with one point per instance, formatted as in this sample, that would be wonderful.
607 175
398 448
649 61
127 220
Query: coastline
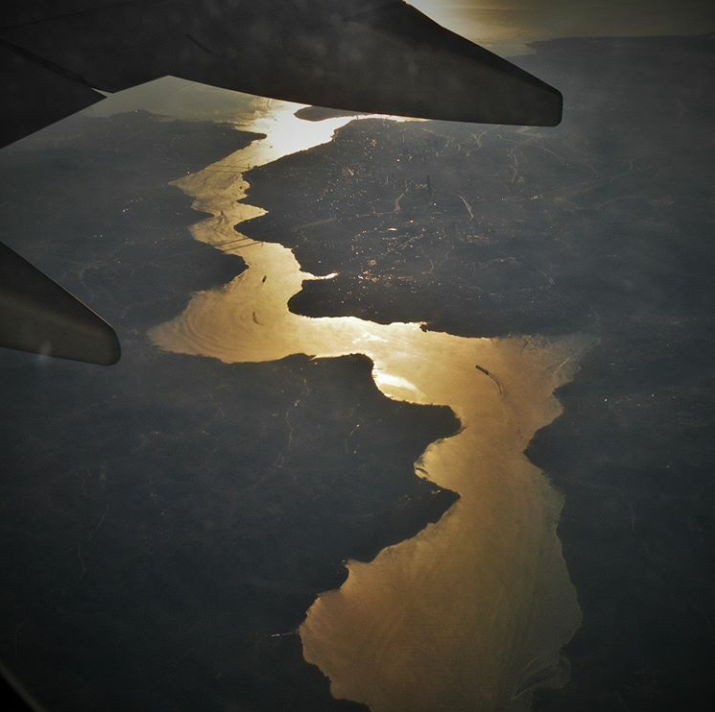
248 321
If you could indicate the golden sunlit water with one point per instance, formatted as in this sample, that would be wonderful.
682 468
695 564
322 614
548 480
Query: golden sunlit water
470 614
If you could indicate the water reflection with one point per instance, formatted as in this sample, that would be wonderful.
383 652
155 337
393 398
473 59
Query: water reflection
507 27
470 614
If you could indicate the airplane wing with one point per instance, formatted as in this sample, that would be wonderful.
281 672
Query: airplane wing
376 56
38 316
36 93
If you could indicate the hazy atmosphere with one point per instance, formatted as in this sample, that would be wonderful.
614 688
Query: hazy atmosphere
506 26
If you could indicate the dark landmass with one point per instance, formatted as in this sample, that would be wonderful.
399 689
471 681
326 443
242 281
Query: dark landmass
165 523
604 225
467 227
88 202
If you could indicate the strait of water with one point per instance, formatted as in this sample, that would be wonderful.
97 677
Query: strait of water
470 614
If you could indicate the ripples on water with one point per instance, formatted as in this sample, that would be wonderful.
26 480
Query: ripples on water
471 613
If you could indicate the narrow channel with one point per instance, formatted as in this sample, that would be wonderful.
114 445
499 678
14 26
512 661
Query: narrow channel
472 613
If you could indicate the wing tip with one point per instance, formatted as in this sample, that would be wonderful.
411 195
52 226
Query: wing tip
38 316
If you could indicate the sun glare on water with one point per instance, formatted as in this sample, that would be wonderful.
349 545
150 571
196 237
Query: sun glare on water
454 618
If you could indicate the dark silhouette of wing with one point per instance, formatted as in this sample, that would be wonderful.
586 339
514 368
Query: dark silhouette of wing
35 93
37 315
367 55
379 56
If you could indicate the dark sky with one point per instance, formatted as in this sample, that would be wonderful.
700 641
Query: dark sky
504 26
